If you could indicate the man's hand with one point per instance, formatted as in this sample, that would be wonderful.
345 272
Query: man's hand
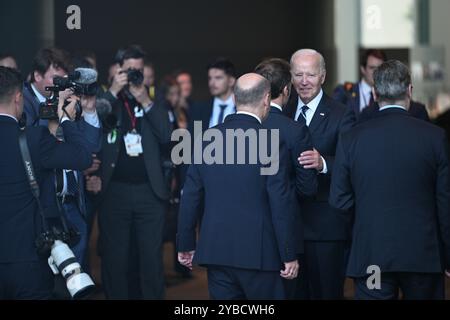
95 166
120 80
88 103
93 184
140 93
70 110
290 271
185 259
311 160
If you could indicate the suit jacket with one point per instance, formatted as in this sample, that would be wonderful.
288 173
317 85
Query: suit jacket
200 111
248 221
19 218
330 120
416 109
156 130
302 182
393 171
348 94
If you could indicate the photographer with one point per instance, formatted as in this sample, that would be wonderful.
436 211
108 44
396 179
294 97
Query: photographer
47 64
134 191
23 273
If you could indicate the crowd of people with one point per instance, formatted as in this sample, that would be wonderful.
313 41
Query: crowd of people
362 179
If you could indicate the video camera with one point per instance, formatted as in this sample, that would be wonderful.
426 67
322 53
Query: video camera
83 81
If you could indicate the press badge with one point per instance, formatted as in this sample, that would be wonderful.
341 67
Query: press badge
138 112
133 144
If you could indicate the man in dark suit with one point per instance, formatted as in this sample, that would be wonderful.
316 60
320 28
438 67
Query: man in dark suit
393 171
23 274
134 189
326 233
221 80
302 182
247 237
358 96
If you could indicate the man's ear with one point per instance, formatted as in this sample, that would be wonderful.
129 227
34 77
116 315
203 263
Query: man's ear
323 76
37 76
231 81
287 90
410 91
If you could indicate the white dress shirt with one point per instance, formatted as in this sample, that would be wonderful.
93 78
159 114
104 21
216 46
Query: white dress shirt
364 94
312 105
277 106
230 109
392 106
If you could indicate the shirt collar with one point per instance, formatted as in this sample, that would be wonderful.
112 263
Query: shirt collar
40 97
393 106
313 104
250 114
365 87
276 106
10 116
228 102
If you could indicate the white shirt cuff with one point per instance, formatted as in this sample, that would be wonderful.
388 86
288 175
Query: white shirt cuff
325 168
65 118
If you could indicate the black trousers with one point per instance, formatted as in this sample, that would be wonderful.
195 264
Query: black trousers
26 281
414 286
322 271
227 283
131 208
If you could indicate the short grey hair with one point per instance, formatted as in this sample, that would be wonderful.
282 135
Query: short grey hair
311 52
391 81
251 96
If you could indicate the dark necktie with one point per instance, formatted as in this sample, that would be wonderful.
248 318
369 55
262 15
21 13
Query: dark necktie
222 112
302 116
371 100
72 183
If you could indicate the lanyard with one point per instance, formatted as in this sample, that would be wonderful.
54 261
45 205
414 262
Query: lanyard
133 119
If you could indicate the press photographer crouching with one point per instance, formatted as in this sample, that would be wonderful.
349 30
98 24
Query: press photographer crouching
29 158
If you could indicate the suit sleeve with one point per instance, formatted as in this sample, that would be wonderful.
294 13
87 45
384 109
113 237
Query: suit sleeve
443 199
72 154
92 135
305 179
347 122
283 216
158 118
190 210
341 190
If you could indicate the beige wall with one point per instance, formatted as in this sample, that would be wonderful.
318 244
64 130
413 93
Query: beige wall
440 30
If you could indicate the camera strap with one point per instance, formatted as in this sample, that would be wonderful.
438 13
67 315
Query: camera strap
25 152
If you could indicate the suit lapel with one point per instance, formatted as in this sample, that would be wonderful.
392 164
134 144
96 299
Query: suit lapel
320 115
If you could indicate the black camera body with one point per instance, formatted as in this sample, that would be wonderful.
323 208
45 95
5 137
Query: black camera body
46 240
49 109
135 77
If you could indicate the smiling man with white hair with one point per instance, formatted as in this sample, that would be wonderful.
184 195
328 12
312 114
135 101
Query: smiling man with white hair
326 232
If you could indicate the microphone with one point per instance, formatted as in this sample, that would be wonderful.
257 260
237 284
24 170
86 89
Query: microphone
85 76
103 107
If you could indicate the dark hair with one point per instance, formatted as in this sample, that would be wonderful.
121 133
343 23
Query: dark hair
278 72
379 54
392 80
47 57
10 82
131 52
223 64
251 96
81 62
